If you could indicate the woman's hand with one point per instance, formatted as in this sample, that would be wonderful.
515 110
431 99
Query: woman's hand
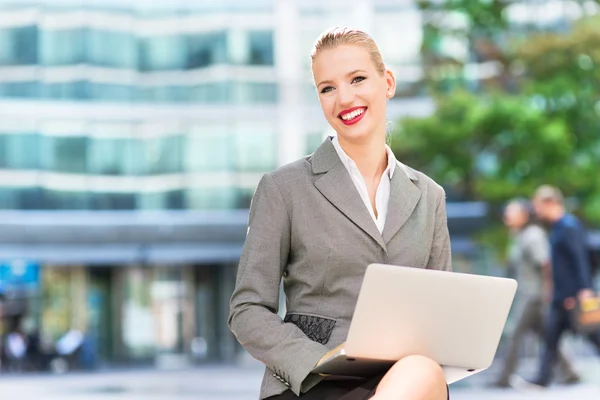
585 294
582 296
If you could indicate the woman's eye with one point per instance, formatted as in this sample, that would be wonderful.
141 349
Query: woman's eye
354 80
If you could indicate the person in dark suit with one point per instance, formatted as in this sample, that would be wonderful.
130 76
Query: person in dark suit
320 221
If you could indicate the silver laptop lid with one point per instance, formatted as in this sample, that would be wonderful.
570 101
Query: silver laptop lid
455 319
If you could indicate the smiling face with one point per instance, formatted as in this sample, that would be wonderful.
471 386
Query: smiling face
352 93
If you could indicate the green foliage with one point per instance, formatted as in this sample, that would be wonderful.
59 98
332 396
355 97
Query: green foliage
483 16
475 24
540 124
487 149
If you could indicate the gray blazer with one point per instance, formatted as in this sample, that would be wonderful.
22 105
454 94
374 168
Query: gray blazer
309 225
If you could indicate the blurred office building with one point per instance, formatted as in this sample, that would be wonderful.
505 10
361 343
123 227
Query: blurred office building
132 136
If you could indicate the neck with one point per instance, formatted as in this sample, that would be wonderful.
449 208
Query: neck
370 156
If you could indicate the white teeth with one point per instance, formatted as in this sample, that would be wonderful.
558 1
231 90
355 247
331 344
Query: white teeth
353 114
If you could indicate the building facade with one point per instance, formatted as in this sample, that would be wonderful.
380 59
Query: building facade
132 138
169 109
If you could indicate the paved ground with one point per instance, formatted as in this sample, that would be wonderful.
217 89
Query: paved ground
237 383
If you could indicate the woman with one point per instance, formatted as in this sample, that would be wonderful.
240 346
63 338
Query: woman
318 222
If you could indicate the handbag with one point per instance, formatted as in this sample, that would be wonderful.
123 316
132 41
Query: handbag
586 315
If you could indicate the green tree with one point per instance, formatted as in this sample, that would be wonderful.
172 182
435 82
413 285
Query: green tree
537 121
487 149
562 73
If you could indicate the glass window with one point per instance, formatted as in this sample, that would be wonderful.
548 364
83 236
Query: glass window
29 198
163 155
75 90
256 152
211 198
3 151
19 89
168 309
403 26
112 201
162 53
313 141
110 92
134 162
209 148
247 6
261 48
19 45
213 93
154 13
61 200
312 9
103 156
163 94
254 92
245 197
64 154
139 324
114 156
112 49
250 47
306 41
172 200
62 47
19 151
206 49
238 46
309 94
8 199
57 303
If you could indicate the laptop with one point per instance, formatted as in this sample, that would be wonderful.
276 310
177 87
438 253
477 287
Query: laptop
455 319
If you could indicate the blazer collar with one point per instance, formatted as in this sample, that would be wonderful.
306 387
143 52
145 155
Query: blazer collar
325 158
337 187
404 196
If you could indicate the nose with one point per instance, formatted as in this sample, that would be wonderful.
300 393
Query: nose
345 96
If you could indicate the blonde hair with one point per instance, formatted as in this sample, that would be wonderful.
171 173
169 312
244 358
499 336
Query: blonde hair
338 36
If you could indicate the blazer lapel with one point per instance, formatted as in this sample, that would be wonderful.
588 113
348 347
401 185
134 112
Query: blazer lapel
404 196
337 187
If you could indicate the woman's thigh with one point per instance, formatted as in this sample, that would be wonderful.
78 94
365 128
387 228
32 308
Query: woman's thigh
337 390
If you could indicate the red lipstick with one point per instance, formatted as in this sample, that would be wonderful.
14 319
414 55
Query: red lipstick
357 115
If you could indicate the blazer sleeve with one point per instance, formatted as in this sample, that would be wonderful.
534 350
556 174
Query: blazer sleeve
440 256
253 318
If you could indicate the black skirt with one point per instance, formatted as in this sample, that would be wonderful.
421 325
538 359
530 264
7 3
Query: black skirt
337 390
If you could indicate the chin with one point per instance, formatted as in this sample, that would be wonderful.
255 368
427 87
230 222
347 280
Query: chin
355 135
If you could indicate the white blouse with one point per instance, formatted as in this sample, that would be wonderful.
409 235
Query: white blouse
382 196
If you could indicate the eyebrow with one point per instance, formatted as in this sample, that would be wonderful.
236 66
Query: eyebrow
348 74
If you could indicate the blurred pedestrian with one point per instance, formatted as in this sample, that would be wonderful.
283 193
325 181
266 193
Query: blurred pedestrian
34 355
571 275
16 348
529 257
